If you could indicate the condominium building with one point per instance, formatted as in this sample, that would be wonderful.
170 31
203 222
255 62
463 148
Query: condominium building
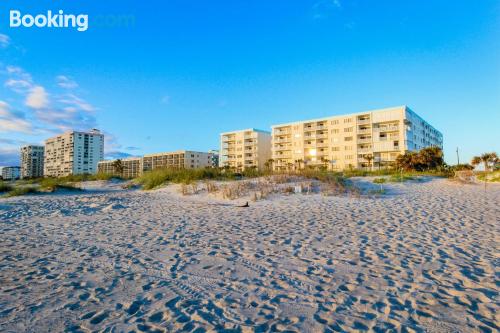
240 150
73 153
182 159
130 167
32 161
360 140
11 173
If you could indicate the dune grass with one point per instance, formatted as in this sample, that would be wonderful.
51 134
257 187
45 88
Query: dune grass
158 177
490 177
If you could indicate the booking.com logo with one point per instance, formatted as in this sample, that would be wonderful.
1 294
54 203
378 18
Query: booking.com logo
61 20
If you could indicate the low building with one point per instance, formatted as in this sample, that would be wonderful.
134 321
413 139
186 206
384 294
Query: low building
32 161
365 140
130 167
240 150
73 153
182 159
11 173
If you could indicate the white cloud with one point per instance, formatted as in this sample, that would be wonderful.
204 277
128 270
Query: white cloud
37 98
12 122
66 82
4 40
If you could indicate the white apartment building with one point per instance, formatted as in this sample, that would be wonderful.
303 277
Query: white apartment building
32 161
367 140
73 153
240 150
11 173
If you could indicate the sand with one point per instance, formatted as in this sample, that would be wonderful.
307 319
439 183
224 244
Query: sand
424 258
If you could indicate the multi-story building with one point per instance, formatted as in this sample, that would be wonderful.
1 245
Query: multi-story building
11 173
32 161
130 167
182 159
240 150
73 153
360 140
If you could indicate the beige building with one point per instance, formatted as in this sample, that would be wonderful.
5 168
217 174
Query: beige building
32 161
131 167
250 148
136 166
73 153
183 159
366 140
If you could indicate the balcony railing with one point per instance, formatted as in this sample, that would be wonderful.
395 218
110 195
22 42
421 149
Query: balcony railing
363 121
364 131
386 128
366 140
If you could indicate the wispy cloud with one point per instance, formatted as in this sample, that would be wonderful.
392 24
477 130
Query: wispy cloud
12 121
9 156
323 8
4 40
66 82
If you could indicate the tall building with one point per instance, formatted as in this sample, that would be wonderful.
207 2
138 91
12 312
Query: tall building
240 150
11 173
183 159
32 161
73 153
371 139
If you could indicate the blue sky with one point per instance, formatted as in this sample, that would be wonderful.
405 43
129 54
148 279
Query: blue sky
160 76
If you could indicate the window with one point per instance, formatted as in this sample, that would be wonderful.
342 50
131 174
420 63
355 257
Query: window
348 129
347 147
335 131
348 138
337 148
348 157
335 122
347 120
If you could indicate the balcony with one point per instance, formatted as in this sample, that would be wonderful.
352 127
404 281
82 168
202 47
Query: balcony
282 132
363 121
282 148
364 131
386 128
365 150
364 140
279 140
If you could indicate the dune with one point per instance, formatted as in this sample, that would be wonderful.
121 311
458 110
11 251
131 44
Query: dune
422 258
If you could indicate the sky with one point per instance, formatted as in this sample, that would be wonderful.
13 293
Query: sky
168 75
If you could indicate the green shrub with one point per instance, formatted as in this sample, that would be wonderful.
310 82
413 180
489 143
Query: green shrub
379 180
21 190
4 187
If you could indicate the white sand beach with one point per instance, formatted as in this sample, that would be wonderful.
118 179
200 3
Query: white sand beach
422 258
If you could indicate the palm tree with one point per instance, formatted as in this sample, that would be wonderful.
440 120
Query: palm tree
299 162
369 158
488 159
269 163
118 167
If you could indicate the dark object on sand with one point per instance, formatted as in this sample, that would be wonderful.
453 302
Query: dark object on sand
245 205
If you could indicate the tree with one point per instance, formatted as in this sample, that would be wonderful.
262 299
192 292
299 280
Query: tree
299 162
369 158
489 160
269 164
118 167
430 158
